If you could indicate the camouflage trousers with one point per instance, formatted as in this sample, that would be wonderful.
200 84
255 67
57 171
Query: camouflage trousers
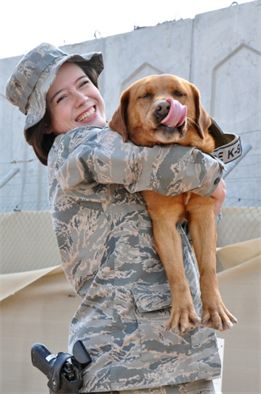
198 387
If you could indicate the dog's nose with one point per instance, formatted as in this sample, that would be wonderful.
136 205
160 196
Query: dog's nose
162 109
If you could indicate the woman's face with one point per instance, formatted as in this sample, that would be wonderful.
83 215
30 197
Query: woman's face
74 101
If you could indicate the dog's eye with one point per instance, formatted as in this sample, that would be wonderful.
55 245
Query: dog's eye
145 95
178 93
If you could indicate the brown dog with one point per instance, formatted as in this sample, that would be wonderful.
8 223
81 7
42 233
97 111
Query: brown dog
166 109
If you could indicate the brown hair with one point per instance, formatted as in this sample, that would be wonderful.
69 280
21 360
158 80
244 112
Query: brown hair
40 139
39 135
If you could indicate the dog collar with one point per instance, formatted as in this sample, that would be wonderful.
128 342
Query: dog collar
228 146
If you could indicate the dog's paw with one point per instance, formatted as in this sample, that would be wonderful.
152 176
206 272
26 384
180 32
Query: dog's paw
217 316
183 319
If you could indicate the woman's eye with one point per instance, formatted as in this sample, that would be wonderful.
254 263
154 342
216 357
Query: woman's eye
60 98
83 83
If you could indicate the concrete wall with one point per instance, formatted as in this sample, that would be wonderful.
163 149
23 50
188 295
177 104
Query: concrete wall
219 51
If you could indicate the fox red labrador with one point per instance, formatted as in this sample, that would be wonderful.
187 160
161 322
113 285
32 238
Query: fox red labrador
166 109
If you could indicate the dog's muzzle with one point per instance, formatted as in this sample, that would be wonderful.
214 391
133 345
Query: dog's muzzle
170 113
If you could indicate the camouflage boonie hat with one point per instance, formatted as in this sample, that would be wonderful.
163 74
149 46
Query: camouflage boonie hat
28 85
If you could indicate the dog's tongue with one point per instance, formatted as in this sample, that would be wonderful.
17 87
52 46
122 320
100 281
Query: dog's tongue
177 114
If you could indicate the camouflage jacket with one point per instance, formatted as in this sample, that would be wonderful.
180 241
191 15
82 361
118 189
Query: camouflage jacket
105 238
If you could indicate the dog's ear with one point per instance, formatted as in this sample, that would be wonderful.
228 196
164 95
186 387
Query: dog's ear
119 120
203 120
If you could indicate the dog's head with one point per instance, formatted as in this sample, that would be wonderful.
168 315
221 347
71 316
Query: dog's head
161 109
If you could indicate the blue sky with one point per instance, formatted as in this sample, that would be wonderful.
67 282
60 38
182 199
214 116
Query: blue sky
26 23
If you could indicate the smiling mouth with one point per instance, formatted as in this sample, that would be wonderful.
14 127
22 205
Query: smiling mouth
87 114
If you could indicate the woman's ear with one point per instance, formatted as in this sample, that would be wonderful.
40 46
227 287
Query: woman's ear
47 129
202 118
46 123
119 120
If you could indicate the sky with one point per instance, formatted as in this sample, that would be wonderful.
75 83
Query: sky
26 23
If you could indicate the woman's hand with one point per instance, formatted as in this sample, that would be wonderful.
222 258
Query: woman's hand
219 195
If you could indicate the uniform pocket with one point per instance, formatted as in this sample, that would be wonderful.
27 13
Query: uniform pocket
153 304
151 298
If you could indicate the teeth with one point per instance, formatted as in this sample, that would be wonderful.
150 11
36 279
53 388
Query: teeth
86 114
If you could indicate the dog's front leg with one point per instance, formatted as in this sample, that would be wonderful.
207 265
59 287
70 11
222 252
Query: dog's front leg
169 247
202 225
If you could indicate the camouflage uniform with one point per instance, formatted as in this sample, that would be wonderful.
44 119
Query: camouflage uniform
105 238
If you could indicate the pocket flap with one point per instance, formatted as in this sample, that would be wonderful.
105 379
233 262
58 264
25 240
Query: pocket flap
149 298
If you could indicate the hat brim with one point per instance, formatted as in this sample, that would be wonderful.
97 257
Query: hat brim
37 100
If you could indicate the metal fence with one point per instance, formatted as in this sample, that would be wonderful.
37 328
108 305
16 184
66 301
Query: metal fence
28 241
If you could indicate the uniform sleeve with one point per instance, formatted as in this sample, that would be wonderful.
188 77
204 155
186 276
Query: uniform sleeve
103 157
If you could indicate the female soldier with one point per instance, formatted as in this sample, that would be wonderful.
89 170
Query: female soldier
104 231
